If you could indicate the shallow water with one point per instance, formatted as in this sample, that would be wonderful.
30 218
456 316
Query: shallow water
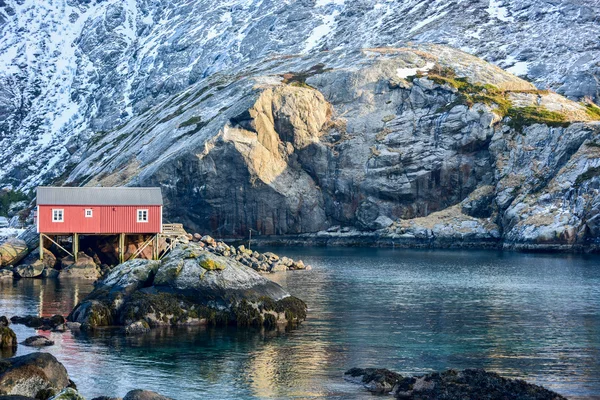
532 316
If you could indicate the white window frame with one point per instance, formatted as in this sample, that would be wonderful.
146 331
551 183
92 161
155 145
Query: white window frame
89 213
142 212
56 213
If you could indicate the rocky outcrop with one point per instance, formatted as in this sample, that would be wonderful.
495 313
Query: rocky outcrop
189 286
37 375
469 384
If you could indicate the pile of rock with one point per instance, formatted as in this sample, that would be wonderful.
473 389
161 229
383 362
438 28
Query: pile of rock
262 262
41 376
469 384
31 266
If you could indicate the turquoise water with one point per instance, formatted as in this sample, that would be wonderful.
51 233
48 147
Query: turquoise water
532 316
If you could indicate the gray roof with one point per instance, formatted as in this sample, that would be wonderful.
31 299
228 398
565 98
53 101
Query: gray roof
99 196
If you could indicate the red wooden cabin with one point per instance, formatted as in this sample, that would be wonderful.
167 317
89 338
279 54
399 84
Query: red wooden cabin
98 211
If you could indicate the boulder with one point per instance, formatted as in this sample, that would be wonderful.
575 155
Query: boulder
8 339
37 375
208 240
197 237
144 395
380 381
33 270
84 268
37 341
189 286
12 251
137 327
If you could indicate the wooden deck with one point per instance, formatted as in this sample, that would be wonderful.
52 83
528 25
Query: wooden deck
173 230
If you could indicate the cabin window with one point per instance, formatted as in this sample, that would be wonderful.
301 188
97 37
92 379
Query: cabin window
58 215
142 215
89 213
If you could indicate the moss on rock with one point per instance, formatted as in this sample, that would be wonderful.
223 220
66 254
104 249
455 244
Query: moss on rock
210 264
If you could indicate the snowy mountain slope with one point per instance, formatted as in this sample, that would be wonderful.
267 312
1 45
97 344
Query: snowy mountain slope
71 70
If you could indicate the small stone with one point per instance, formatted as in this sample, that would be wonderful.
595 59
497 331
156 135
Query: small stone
60 328
197 237
208 240
37 341
4 321
6 274
278 267
137 327
74 326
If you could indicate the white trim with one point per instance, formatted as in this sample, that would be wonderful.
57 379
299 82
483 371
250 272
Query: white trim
138 215
61 212
91 213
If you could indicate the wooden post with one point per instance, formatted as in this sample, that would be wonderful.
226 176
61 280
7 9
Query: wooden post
121 246
155 248
75 246
250 239
41 246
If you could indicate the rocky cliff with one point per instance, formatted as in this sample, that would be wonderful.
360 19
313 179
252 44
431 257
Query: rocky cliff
421 144
71 70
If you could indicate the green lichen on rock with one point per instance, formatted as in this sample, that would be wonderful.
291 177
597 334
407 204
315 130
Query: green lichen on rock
211 264
192 121
490 95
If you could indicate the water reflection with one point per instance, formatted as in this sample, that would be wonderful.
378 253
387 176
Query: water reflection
531 316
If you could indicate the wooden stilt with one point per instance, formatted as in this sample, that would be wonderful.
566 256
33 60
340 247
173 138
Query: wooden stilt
75 246
155 248
56 243
41 246
121 247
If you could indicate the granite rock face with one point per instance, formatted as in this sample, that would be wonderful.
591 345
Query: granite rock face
423 144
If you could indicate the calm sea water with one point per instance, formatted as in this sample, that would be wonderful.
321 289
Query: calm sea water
530 316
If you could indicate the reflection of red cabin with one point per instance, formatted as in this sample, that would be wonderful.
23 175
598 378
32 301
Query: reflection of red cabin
99 210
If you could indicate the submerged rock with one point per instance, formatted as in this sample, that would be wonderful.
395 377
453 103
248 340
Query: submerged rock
374 379
37 375
137 327
33 321
469 384
37 341
189 286
144 395
33 267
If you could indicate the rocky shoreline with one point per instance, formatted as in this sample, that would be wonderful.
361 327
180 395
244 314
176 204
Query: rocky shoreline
373 239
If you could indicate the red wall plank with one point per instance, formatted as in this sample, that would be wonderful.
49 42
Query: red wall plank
105 219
